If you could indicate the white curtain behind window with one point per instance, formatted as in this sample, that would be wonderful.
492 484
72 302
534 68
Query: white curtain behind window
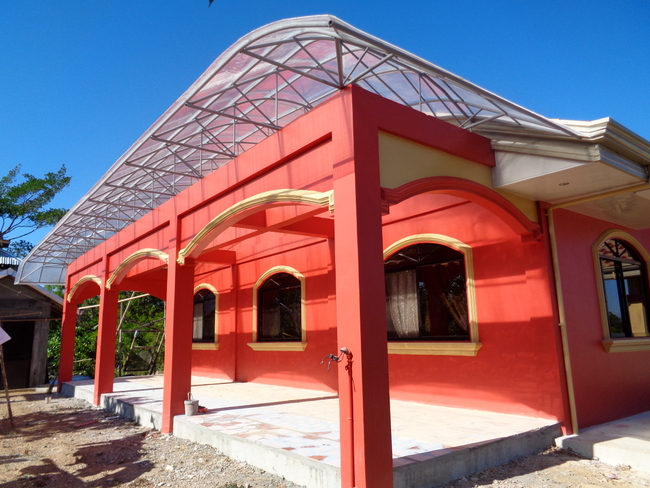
402 303
271 323
197 332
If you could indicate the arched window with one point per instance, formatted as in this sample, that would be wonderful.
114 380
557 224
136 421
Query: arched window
625 288
204 316
426 294
279 308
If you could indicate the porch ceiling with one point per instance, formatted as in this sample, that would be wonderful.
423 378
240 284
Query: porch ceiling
259 85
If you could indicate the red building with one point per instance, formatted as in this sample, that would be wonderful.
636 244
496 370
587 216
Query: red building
318 189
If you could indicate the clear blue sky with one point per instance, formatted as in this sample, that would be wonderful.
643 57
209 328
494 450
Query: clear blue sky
80 81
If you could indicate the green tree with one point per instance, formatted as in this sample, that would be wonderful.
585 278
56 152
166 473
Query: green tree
140 324
24 206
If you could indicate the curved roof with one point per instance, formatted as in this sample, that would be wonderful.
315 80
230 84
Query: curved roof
260 84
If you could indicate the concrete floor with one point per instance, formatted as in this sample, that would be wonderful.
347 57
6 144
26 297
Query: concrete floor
295 433
625 441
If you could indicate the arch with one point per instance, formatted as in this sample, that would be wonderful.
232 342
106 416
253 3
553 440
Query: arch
205 286
470 348
280 346
469 190
623 236
614 344
82 281
120 272
249 206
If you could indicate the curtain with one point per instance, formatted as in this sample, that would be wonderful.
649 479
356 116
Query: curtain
402 304
270 326
197 330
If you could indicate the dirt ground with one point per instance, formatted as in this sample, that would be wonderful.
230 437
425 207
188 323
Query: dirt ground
67 443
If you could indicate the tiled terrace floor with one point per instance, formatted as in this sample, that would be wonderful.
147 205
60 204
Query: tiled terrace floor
305 422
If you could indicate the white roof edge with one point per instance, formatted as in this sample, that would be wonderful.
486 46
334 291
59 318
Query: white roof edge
614 135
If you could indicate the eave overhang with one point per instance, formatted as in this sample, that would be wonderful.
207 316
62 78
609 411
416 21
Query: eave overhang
603 174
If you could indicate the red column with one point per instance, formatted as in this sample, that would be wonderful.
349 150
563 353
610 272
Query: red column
66 354
178 340
105 358
366 451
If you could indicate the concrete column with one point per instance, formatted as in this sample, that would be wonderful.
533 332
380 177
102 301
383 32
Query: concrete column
178 340
366 451
105 358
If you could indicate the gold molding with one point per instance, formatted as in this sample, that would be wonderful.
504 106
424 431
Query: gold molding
81 281
469 272
435 348
205 286
629 344
609 343
303 315
205 346
302 197
128 263
277 346
212 346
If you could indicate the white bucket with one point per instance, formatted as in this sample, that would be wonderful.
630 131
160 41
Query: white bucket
191 405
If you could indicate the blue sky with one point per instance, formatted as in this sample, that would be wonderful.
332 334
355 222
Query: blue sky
80 81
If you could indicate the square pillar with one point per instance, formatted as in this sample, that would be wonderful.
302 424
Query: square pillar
366 450
178 340
105 358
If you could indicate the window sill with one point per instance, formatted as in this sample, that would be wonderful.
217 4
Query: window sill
435 348
204 346
627 345
277 346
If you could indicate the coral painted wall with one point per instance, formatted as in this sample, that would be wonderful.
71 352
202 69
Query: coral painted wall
607 385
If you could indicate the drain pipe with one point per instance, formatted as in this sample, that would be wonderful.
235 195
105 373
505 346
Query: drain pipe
558 285
562 322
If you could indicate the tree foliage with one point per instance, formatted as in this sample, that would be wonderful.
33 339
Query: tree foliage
24 205
140 324
20 248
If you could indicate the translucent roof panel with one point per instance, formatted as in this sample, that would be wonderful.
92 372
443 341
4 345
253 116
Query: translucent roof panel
260 84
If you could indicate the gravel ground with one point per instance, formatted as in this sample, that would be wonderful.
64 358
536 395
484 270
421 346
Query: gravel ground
68 444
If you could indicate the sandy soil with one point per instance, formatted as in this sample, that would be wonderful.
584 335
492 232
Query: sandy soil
66 443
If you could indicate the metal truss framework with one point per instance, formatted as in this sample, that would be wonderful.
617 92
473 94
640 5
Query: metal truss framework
259 85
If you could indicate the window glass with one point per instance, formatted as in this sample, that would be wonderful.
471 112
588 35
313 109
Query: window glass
624 282
279 309
204 315
426 294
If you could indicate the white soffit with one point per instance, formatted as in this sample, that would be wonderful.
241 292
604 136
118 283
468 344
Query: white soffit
608 158
263 82
557 180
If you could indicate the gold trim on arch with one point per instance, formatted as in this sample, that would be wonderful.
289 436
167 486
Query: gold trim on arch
132 259
280 346
438 347
303 197
81 281
209 346
627 344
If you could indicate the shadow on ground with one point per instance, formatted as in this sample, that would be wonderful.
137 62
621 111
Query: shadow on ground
50 453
